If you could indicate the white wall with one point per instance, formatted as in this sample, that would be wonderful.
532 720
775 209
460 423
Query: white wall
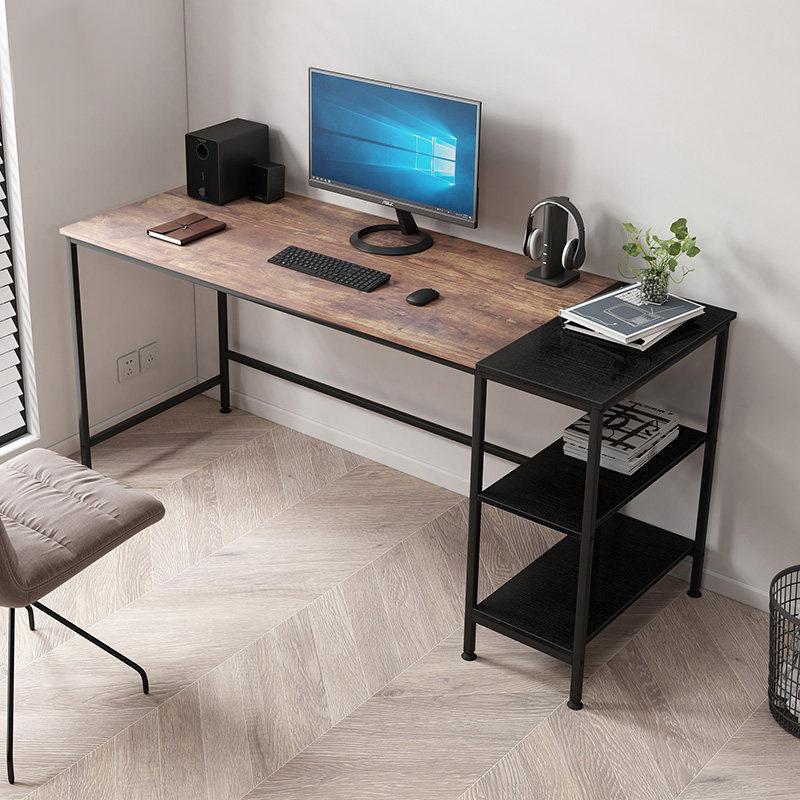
637 111
99 96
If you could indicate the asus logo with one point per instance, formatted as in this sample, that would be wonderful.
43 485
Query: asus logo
388 203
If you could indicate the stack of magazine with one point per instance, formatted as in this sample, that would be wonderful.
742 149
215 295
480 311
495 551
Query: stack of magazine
633 432
622 316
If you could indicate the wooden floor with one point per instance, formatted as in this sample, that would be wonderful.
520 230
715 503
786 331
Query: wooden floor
299 612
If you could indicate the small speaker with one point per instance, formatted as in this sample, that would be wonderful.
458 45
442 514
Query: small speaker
266 182
219 159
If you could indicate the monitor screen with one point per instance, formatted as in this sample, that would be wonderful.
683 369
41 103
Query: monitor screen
404 148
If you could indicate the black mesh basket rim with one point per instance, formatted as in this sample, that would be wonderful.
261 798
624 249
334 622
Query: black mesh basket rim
773 603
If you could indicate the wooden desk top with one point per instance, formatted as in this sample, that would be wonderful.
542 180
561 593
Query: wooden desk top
485 301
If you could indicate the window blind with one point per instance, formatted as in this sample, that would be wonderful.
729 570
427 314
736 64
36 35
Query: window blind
12 402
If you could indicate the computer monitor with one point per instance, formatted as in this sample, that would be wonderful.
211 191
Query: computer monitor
411 150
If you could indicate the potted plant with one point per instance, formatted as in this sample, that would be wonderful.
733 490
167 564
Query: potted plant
662 258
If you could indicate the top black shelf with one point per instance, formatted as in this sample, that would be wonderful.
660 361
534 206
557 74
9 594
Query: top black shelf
587 373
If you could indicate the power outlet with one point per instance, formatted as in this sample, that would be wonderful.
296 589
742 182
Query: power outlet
148 356
127 366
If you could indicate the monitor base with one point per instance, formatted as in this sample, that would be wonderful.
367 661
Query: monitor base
406 225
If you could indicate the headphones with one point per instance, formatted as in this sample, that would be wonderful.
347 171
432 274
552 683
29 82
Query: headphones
574 253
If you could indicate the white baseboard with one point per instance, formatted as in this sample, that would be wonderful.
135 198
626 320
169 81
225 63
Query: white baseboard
730 587
402 462
71 444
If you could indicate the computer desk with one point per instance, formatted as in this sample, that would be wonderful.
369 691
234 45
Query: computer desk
485 301
489 322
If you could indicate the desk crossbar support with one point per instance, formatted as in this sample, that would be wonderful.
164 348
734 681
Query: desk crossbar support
164 405
372 405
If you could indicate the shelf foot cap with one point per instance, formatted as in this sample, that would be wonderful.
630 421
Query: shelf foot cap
574 706
468 656
694 593
224 411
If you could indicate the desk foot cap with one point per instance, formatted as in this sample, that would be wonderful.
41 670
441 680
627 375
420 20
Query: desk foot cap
574 706
225 411
468 656
694 593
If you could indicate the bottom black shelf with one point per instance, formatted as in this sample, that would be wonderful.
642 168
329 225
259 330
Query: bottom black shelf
537 606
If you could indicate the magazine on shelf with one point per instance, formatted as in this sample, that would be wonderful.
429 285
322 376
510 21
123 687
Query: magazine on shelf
629 428
637 344
627 467
624 317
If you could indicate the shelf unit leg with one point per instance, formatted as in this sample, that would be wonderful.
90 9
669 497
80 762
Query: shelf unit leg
583 598
224 364
712 428
473 544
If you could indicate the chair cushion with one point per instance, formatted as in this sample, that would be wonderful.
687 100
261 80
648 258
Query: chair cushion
58 517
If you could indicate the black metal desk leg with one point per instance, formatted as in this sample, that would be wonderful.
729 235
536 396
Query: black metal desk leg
583 598
10 699
80 358
712 428
222 323
473 544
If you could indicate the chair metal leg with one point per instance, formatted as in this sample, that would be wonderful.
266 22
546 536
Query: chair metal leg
10 699
31 620
95 641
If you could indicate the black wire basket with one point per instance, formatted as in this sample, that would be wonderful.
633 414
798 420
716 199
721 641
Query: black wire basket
784 649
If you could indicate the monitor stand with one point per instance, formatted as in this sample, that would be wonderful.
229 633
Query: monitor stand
407 227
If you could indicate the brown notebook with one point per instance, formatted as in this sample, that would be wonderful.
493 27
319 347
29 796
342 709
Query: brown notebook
186 229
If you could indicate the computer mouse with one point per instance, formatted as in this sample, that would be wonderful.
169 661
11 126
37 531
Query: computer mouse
422 297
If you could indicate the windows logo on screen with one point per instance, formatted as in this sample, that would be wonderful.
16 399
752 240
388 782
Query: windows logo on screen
437 157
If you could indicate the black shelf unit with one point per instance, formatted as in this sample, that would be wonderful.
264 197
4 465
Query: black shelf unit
607 560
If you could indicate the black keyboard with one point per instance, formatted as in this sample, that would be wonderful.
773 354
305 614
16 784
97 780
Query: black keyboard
331 269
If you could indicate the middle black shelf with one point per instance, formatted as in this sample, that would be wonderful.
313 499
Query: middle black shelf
548 488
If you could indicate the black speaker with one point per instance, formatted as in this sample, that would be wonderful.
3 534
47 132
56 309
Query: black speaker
219 159
266 182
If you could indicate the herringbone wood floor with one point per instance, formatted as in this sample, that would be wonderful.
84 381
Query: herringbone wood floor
298 611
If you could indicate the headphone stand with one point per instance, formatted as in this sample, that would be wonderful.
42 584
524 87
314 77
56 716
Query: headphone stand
562 279
407 226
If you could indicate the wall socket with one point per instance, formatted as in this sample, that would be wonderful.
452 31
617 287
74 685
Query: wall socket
141 360
127 366
148 356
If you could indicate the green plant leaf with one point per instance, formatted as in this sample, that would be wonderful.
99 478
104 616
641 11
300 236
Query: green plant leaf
679 228
649 259
692 251
674 248
630 228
